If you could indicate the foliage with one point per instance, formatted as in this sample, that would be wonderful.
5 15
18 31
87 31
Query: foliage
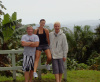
91 60
2 7
82 66
7 30
80 42
8 26
95 45
1 11
71 64
96 65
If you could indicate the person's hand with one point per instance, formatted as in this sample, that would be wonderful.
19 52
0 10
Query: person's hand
22 41
64 59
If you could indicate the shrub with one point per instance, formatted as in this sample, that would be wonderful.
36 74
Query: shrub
82 66
96 66
93 67
91 62
71 64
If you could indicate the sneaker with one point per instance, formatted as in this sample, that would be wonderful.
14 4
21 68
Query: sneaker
35 75
48 66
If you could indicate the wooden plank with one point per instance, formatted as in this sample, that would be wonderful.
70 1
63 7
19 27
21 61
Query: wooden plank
11 51
65 71
13 65
44 67
11 68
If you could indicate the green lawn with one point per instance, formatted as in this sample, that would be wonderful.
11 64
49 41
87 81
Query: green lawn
72 76
83 76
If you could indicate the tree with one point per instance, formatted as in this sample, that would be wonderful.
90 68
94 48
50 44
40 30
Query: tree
1 12
79 43
96 41
8 28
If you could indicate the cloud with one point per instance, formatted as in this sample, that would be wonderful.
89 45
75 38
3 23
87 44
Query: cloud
53 10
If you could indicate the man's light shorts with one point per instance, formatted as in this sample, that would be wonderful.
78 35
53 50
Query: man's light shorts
28 63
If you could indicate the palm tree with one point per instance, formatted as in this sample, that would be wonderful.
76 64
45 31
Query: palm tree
96 45
79 43
8 28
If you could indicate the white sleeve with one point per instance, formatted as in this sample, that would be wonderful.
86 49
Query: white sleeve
65 46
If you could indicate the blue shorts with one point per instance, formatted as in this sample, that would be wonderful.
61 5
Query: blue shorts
42 47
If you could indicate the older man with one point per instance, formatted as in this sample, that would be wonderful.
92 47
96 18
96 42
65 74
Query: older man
30 42
59 49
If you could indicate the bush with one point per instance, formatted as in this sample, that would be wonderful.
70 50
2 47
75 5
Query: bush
96 66
93 67
44 71
92 59
71 64
82 66
91 62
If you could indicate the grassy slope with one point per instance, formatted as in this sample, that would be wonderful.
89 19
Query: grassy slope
83 76
72 76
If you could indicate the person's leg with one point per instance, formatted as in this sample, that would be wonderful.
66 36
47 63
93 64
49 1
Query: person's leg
31 76
26 74
57 77
37 56
60 77
61 68
55 69
48 53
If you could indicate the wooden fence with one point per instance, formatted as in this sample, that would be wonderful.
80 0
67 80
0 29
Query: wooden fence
14 68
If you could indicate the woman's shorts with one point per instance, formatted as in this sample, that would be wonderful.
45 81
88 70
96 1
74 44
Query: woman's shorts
28 63
58 66
43 47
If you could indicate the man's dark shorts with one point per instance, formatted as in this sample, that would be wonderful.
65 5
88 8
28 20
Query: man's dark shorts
58 66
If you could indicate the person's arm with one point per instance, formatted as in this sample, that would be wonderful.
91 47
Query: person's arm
36 42
24 43
65 48
35 31
47 35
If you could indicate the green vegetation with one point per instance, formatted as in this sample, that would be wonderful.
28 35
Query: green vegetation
83 76
72 76
83 55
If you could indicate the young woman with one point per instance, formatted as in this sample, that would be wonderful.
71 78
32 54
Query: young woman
43 35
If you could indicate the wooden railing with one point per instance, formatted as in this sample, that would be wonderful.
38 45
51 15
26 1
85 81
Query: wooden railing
14 68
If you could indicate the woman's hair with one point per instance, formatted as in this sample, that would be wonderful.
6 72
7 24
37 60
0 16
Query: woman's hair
42 20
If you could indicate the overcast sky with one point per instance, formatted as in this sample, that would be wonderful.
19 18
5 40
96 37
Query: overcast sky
31 11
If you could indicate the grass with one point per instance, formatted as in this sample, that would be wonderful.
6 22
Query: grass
83 76
72 76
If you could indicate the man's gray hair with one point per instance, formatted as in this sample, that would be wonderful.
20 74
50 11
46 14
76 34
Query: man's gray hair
29 26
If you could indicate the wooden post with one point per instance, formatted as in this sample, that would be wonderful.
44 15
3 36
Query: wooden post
13 65
65 71
39 70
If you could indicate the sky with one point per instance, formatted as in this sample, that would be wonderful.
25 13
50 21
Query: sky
31 11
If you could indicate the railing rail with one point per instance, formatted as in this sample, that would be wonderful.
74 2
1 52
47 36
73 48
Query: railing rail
14 68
